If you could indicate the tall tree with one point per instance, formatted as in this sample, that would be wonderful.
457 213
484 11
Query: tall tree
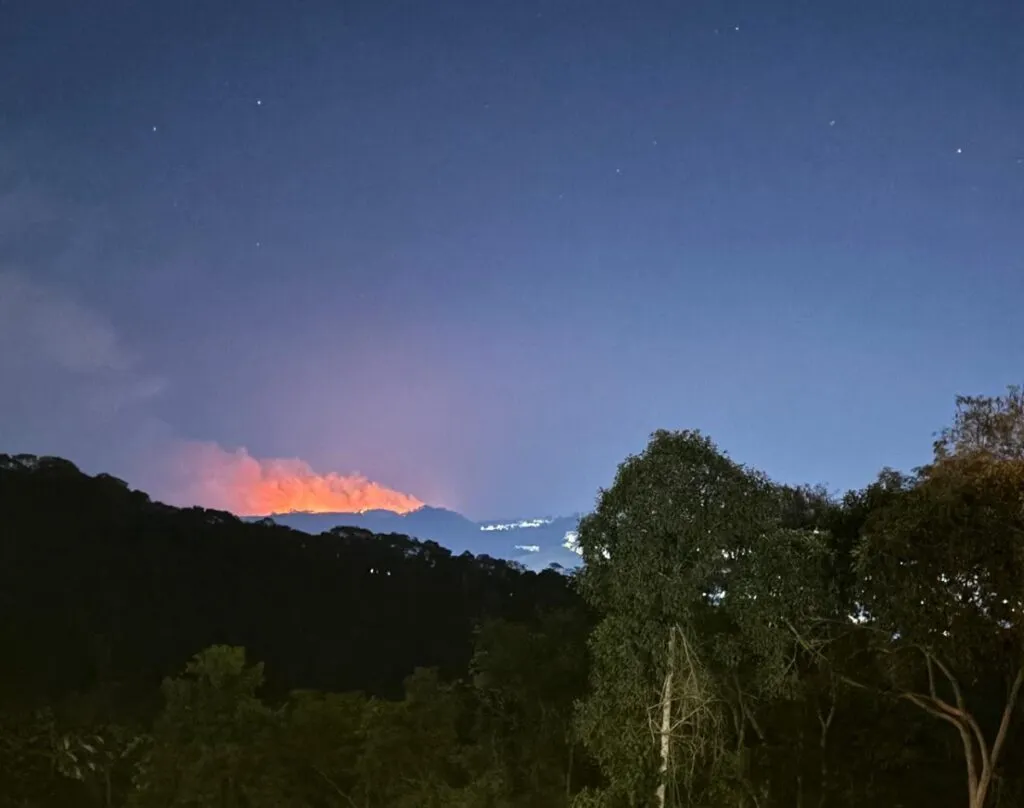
697 583
320 746
210 742
526 680
942 571
412 752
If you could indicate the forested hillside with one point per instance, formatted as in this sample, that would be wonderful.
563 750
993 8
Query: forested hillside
102 585
729 642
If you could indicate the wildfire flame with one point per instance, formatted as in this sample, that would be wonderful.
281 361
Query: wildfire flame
245 485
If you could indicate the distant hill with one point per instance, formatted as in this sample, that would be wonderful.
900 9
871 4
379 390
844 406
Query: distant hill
101 587
535 543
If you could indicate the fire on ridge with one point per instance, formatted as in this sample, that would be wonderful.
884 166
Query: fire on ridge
237 482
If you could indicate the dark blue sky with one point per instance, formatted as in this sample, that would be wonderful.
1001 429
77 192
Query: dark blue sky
479 250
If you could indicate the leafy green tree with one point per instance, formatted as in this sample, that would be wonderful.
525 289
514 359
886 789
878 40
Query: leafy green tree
28 767
412 754
699 586
212 742
990 425
527 679
320 747
942 570
104 758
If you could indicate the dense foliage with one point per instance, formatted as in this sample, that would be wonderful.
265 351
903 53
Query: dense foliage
104 594
729 642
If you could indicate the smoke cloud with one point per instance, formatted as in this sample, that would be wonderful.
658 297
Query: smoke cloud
38 324
237 482
68 375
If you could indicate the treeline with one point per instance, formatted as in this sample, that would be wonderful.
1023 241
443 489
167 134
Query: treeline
729 642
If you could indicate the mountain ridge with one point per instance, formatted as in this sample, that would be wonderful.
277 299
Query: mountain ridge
533 542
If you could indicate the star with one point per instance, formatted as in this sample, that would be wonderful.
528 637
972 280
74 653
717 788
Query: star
831 123
259 102
959 150
154 128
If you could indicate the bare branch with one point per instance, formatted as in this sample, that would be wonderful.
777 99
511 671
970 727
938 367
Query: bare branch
334 786
1004 724
961 707
966 738
826 721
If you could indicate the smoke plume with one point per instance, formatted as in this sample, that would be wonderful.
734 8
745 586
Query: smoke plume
237 482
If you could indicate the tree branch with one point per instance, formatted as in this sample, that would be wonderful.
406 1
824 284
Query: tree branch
1004 724
334 785
965 736
826 721
965 713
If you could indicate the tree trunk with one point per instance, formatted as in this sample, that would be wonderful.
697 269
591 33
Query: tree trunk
666 720
568 770
981 759
800 758
825 721
740 722
991 758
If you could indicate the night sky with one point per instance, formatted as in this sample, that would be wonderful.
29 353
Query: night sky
478 251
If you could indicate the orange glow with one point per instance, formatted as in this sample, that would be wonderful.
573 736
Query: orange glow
248 486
